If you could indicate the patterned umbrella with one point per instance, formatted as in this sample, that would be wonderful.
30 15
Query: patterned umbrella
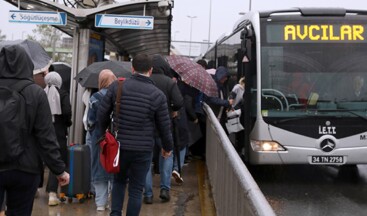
193 74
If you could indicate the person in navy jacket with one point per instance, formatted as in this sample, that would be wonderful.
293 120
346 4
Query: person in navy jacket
143 109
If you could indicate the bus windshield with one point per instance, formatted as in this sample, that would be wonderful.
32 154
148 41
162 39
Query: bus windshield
311 64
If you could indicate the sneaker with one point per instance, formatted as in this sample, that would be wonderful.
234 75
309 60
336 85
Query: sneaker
148 200
164 195
177 176
101 208
52 199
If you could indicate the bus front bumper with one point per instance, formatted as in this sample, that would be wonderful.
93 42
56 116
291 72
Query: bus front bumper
299 155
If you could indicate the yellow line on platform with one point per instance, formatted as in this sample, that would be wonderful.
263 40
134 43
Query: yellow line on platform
206 199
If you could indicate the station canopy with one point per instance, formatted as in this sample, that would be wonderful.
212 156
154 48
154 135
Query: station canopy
122 41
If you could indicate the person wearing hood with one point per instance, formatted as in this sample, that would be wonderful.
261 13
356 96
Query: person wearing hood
174 101
218 104
60 106
20 178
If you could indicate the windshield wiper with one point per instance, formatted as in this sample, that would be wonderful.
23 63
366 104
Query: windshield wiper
309 115
306 116
353 112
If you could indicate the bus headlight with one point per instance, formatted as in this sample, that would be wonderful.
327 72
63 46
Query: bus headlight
266 146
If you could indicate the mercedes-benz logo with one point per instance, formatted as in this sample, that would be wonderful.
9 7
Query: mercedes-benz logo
327 145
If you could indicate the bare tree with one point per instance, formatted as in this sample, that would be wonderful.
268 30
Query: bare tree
46 35
50 37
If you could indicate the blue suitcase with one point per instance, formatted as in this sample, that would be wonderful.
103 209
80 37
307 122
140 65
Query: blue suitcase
79 166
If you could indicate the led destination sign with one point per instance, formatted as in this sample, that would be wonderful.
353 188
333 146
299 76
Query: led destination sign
316 33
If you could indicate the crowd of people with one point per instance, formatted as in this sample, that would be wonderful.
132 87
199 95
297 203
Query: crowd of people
153 125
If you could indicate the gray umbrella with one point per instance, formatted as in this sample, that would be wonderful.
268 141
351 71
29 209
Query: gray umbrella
41 60
88 77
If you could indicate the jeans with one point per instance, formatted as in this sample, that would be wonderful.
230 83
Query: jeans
20 190
101 189
182 159
134 166
165 169
88 141
148 188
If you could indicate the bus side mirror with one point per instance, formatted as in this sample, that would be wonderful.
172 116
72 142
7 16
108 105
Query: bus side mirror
243 40
243 33
246 36
246 33
246 49
243 46
249 33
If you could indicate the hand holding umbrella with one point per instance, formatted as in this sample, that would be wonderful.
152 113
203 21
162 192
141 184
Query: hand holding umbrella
193 74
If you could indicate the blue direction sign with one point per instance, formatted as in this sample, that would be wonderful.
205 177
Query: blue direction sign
37 17
124 22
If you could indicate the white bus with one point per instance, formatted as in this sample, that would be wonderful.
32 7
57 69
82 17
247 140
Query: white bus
306 84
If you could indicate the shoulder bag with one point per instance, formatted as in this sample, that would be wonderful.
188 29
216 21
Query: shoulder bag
110 147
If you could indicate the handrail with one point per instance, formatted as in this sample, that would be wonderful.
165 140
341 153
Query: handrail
235 192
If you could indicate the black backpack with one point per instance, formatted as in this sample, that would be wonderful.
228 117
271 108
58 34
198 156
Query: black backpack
13 121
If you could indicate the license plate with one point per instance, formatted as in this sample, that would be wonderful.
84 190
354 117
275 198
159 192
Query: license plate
327 160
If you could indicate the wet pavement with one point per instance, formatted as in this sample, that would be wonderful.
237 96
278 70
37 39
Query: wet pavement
306 190
192 198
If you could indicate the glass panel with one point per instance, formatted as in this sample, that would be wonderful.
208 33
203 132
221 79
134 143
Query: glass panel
313 75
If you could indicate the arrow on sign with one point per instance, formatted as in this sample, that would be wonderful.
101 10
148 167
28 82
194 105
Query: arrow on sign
38 17
124 22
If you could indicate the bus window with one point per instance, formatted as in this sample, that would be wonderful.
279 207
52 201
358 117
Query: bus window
300 67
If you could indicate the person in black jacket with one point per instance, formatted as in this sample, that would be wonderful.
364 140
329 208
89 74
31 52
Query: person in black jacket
189 130
21 178
219 105
175 102
60 106
143 109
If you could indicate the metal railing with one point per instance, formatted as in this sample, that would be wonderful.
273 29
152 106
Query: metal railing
235 192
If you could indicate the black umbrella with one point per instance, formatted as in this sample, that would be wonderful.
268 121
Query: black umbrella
64 69
41 60
88 77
